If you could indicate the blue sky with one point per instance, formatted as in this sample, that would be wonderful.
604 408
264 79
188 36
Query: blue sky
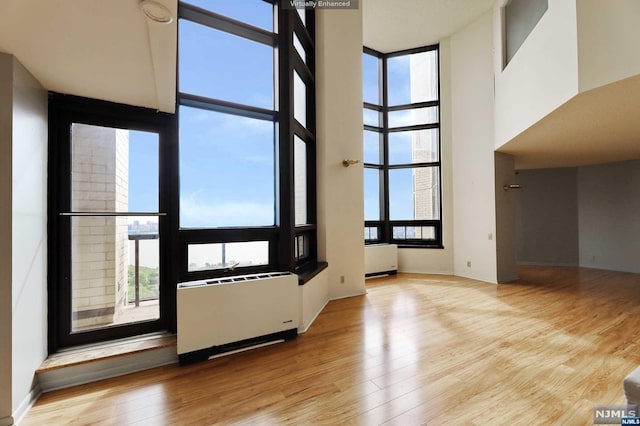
227 162
254 12
400 184
370 79
401 199
226 170
143 171
398 80
227 166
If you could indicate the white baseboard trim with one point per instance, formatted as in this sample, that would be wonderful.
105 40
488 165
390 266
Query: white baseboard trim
306 327
349 295
426 272
26 404
104 369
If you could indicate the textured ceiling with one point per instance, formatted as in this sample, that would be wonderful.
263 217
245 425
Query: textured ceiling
106 49
598 126
103 49
390 25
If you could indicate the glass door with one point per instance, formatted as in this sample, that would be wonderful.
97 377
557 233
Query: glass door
114 223
112 200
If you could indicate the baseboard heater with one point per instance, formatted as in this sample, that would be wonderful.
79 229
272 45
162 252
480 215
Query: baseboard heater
227 314
380 259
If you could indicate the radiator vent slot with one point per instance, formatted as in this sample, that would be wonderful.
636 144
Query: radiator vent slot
229 280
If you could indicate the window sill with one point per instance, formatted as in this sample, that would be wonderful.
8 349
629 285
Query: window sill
307 272
97 352
410 246
403 245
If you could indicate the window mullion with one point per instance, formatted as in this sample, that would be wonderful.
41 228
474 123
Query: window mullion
384 187
223 23
226 107
286 213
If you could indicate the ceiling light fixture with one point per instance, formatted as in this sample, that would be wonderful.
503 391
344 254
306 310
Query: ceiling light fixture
156 12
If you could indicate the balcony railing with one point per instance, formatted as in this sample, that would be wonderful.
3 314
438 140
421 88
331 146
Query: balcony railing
136 237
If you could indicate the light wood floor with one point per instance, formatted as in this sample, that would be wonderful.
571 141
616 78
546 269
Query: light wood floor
417 349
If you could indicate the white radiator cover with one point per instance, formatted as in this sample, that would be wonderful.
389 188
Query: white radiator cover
380 258
226 310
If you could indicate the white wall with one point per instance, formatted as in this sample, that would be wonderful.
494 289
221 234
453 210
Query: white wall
608 40
339 134
314 295
29 239
23 268
547 217
608 206
438 261
6 112
473 145
584 216
541 76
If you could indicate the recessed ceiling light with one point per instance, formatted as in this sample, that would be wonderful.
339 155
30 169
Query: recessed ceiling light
156 12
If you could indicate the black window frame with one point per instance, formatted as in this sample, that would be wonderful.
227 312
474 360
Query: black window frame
284 234
385 225
305 68
64 110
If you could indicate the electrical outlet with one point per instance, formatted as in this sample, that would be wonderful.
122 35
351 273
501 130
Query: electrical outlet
468 264
341 279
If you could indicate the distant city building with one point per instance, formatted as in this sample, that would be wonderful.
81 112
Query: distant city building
143 228
424 142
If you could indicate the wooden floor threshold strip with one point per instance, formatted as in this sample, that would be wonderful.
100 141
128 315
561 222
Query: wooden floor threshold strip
92 353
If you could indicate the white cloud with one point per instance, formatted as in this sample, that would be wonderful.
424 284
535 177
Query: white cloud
205 125
196 212
259 159
411 117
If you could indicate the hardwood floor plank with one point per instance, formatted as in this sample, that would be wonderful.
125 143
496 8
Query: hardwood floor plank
417 349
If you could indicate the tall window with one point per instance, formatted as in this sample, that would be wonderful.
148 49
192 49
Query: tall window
108 222
141 200
246 137
402 147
